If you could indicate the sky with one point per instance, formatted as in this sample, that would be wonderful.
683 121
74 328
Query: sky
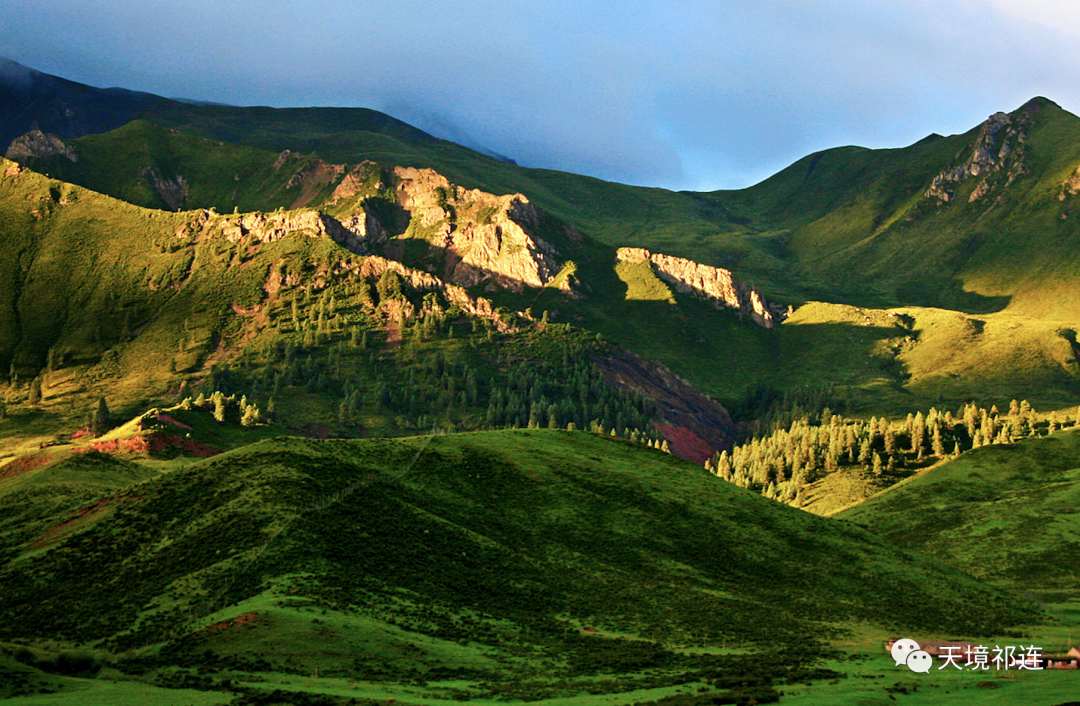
694 94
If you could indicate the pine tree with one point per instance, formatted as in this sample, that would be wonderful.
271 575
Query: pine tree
251 416
219 406
937 445
101 419
35 391
877 464
864 452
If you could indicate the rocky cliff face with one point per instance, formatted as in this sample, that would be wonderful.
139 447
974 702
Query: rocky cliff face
710 283
485 238
271 227
37 144
997 157
173 191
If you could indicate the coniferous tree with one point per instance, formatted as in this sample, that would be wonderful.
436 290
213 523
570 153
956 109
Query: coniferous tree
219 406
250 416
937 445
101 419
35 391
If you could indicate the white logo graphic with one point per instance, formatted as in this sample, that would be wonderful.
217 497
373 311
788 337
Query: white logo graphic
919 661
902 649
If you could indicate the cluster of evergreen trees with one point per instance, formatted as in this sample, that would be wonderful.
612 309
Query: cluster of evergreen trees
441 368
782 463
225 407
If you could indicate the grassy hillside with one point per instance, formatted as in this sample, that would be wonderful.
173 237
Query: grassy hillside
1002 513
864 225
846 225
526 560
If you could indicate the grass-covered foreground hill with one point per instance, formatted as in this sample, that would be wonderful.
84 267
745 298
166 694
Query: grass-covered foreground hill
521 563
1007 514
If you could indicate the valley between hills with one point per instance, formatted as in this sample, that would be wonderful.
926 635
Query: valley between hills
306 406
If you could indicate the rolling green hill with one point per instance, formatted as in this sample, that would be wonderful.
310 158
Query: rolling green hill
975 222
254 273
521 562
1006 514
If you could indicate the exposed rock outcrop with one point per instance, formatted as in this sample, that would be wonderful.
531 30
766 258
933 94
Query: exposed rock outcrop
1071 186
354 182
486 238
999 149
714 284
37 144
173 192
269 227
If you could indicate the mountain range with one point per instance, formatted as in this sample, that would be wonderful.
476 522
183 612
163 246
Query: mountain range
308 404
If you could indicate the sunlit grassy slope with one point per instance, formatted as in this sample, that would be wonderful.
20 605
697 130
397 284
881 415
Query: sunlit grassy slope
848 225
1003 513
849 222
861 225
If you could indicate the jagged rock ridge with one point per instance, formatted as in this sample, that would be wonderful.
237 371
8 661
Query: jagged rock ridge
486 238
272 227
714 284
1000 147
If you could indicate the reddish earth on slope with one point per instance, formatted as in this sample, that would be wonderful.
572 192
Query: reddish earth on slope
686 444
156 444
19 466
245 619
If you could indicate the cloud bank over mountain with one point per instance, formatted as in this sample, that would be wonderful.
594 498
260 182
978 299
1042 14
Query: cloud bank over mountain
703 95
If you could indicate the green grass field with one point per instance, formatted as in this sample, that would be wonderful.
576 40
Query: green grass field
1005 514
478 564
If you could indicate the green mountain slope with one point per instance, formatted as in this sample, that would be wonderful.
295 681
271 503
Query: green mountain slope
865 227
508 544
1003 513
973 222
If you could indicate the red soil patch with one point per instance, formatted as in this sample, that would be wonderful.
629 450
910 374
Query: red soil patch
23 465
245 619
86 517
155 444
686 444
82 433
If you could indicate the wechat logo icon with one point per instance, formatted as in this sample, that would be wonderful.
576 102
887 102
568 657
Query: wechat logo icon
908 652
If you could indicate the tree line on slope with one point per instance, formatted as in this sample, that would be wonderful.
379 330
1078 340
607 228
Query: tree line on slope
781 464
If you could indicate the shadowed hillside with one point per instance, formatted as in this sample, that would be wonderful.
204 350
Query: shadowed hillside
516 546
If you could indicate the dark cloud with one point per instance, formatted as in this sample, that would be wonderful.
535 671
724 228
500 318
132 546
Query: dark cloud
690 95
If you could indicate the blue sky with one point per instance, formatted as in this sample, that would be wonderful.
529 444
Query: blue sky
689 95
